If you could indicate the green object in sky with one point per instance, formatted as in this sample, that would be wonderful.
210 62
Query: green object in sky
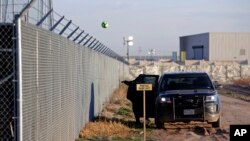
105 24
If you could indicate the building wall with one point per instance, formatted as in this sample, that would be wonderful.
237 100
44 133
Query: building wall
229 46
187 44
218 46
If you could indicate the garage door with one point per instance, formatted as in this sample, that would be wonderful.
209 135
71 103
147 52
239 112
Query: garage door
198 52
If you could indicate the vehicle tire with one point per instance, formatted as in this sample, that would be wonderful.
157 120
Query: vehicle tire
217 123
158 123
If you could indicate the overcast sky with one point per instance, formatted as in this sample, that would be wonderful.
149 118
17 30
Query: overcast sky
155 24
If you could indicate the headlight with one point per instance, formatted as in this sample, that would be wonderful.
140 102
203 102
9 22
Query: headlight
211 108
163 99
211 98
166 100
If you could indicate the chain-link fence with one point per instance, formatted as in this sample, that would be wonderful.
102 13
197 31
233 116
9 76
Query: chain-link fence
54 77
62 85
6 81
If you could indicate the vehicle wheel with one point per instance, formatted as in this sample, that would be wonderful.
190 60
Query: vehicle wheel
158 123
217 123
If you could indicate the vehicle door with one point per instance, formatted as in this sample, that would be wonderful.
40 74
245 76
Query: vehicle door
150 95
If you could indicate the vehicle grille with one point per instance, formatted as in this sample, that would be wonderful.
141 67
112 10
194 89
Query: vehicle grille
188 107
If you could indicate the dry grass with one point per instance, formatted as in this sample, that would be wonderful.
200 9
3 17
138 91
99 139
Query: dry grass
105 129
242 82
117 102
119 94
109 127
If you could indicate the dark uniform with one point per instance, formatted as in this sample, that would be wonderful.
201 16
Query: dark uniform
136 97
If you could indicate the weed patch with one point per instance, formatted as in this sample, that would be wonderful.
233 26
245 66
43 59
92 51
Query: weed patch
97 130
124 111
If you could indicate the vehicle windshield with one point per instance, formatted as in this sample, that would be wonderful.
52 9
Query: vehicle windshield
185 82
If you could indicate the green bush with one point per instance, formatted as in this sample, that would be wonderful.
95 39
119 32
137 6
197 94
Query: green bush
123 111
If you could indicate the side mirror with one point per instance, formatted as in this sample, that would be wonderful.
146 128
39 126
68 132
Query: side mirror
217 85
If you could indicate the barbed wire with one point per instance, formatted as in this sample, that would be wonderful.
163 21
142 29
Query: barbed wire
43 15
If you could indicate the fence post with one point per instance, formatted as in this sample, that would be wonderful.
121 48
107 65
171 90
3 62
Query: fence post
19 86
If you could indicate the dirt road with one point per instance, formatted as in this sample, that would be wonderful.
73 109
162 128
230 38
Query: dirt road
234 111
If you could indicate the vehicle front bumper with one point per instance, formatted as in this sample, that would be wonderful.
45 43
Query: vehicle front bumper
166 114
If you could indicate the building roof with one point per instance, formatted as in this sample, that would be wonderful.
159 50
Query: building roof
198 34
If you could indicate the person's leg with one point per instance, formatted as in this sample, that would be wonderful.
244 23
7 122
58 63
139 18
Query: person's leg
137 119
136 113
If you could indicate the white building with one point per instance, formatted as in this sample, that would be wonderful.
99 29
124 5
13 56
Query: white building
216 46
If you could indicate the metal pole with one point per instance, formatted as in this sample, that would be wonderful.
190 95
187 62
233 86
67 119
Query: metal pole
144 115
40 12
27 7
20 90
13 9
51 15
125 42
139 51
127 51
1 11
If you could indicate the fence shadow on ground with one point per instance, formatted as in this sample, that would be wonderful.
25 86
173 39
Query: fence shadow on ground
92 102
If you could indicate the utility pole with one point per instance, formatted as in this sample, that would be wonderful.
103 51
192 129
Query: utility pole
151 52
129 42
139 52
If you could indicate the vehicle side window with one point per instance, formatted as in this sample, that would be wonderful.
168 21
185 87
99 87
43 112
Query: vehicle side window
151 80
139 79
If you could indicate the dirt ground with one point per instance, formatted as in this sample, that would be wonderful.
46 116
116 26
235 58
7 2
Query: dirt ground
235 110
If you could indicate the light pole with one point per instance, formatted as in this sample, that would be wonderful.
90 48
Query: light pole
139 52
151 52
128 42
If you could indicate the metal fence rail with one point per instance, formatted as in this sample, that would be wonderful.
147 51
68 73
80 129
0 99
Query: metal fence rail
42 14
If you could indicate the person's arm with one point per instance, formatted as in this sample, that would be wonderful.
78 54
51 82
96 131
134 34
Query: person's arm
127 82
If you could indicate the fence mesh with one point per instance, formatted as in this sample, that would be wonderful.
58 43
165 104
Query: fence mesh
6 81
64 84
64 73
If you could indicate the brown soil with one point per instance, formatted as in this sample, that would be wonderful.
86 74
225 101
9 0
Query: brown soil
243 82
